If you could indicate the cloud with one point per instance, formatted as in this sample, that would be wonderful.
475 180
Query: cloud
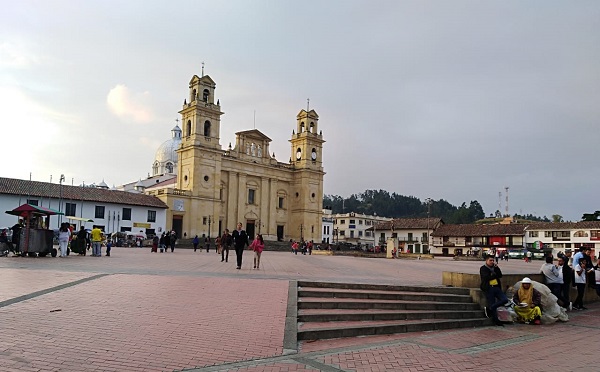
128 105
16 56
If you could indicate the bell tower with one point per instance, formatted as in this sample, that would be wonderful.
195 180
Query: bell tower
200 149
307 142
307 185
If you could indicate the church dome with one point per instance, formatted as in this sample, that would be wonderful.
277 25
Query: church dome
165 160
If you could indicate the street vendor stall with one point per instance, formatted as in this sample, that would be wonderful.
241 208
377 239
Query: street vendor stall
80 239
36 237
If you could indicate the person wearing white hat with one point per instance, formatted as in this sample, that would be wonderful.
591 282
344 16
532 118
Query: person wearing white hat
528 300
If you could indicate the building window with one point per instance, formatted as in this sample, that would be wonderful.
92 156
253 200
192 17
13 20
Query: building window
204 220
352 222
533 234
342 232
126 214
125 229
169 167
188 128
32 201
99 212
251 193
205 95
367 233
280 203
360 222
342 222
70 209
360 233
151 216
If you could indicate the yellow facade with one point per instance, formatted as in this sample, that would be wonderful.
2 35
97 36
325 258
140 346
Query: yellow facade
218 188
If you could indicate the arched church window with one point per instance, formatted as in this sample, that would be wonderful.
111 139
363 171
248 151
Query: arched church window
155 169
193 97
205 95
169 167
301 127
207 128
312 127
188 128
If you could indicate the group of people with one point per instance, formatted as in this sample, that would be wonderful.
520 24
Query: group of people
559 278
302 246
238 239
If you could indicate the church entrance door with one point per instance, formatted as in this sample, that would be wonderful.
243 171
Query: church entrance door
178 225
250 229
279 233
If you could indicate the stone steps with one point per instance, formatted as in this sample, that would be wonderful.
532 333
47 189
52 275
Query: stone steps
333 310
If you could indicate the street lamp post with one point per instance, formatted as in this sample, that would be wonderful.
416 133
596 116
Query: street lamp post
428 200
62 178
209 221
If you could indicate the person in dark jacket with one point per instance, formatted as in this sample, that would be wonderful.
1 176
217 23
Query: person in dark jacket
226 241
240 239
490 275
567 274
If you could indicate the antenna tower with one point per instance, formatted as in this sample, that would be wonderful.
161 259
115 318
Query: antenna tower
506 188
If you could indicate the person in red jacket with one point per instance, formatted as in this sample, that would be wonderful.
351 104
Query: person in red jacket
258 245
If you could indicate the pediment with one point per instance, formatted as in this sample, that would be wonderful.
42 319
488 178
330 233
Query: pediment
253 134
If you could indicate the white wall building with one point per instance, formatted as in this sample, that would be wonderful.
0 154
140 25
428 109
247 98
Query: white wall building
413 234
110 210
327 227
564 235
353 228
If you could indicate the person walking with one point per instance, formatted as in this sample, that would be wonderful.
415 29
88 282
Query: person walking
490 275
161 243
64 234
240 239
206 243
195 242
96 242
226 241
218 245
155 241
173 240
258 245
580 280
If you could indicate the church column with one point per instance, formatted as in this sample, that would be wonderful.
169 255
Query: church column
232 202
273 202
241 198
264 215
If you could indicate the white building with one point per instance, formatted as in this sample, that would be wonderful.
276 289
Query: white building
327 227
111 210
353 228
564 235
412 234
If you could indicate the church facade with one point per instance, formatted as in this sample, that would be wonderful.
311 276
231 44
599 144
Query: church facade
215 188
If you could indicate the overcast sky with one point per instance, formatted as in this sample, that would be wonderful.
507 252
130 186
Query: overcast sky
445 99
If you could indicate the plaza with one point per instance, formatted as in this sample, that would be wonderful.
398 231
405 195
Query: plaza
142 311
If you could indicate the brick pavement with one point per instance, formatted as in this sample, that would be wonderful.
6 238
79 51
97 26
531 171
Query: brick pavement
189 311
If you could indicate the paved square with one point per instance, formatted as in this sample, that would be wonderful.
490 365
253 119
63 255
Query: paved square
142 311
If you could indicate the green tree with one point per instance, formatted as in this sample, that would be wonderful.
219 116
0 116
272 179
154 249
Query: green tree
591 216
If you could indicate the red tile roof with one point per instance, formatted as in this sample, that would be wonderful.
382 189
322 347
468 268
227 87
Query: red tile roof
564 225
409 223
480 230
14 186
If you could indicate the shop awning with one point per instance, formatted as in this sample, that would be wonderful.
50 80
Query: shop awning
25 209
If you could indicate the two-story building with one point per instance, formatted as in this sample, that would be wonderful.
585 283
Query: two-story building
327 226
457 240
354 228
564 235
413 234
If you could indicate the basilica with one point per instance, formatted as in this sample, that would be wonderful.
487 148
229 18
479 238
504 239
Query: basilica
211 189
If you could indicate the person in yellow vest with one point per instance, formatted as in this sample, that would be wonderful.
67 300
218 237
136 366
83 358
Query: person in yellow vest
96 242
490 275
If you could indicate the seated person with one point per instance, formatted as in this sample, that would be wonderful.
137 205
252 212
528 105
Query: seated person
530 296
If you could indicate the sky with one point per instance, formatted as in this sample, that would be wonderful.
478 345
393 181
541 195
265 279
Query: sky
452 100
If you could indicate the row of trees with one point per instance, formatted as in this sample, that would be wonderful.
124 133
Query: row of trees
382 203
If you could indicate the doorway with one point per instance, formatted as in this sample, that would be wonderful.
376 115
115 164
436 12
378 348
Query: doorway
250 229
177 225
279 233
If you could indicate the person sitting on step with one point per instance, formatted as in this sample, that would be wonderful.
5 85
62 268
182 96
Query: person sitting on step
528 300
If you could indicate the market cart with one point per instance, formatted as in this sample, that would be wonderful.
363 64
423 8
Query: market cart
36 238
